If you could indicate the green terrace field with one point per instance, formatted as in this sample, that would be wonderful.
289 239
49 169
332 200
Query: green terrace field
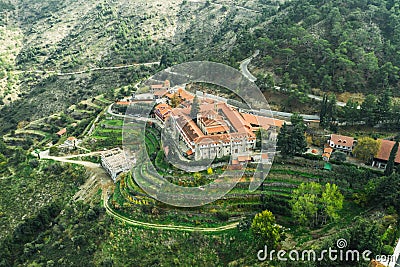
108 133
131 201
77 119
239 205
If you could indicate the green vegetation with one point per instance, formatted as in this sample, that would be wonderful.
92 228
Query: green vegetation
63 63
366 148
313 205
291 138
265 229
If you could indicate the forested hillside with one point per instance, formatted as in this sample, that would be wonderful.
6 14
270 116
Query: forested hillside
337 46
343 45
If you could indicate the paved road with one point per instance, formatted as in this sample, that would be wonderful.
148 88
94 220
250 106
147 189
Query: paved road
318 98
306 117
244 67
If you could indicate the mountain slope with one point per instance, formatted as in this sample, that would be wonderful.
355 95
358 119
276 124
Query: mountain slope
344 45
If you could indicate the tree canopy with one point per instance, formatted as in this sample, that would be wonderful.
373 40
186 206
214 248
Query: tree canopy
265 229
291 138
312 204
366 148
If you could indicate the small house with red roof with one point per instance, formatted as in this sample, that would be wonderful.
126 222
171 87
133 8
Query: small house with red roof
382 158
327 153
62 132
342 143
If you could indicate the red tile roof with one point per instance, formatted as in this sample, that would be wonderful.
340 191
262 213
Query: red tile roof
262 121
163 110
244 158
62 131
342 140
185 94
123 103
236 120
385 149
217 129
157 86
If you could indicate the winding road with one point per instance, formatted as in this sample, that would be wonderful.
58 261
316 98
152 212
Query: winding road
245 71
244 67
166 226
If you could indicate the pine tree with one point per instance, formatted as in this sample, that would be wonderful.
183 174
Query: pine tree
384 107
332 109
351 113
368 109
291 139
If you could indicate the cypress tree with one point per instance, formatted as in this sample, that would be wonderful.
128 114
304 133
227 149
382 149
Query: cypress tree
195 109
323 111
390 166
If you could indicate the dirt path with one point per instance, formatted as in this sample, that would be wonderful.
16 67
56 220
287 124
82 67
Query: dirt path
86 71
99 178
166 226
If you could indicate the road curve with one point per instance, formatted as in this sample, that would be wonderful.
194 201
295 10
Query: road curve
166 226
244 67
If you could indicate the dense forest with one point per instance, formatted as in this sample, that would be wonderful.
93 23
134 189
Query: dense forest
345 45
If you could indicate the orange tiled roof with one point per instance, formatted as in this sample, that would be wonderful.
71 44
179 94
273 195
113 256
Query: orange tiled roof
185 94
62 131
236 120
157 86
385 149
262 121
187 124
326 155
123 103
212 139
235 162
244 158
217 129
163 109
163 106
